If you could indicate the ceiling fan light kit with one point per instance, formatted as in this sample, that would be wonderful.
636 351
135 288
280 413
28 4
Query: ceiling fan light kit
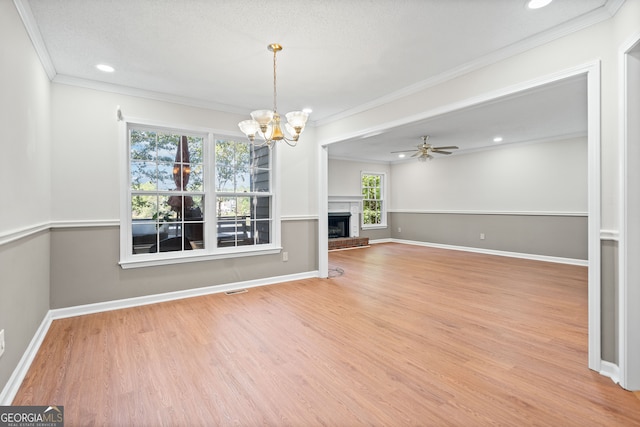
266 123
424 150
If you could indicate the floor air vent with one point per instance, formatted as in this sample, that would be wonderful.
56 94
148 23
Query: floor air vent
237 291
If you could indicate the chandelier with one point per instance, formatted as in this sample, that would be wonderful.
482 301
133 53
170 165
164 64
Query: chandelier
266 123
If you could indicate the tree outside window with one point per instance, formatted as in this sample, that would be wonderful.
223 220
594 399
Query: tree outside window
373 204
167 191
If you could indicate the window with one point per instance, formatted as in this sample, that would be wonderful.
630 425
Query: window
243 200
167 191
373 203
191 195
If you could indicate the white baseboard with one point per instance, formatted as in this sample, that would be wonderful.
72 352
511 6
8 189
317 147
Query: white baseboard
79 310
559 260
11 388
376 241
610 370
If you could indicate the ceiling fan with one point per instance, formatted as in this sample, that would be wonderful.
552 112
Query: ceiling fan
424 150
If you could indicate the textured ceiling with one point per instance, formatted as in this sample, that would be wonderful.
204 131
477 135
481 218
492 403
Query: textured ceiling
340 56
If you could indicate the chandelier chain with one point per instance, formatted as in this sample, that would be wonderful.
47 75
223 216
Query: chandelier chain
275 109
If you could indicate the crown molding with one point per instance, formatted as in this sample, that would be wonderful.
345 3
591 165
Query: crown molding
24 10
602 14
554 138
351 159
147 94
476 100
612 6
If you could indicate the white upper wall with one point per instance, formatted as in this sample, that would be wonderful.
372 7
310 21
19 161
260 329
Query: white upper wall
86 151
25 123
545 177
344 176
299 183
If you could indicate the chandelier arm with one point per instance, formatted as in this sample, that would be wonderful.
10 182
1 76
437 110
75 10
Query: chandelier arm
262 144
290 143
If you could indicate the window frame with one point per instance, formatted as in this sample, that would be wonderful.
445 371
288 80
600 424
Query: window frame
211 251
383 201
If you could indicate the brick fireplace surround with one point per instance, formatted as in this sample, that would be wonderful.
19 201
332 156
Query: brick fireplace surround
348 243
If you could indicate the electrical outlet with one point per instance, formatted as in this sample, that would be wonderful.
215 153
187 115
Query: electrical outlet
399 230
1 342
481 236
285 256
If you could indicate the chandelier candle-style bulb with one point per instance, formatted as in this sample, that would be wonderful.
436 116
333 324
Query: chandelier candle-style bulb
266 123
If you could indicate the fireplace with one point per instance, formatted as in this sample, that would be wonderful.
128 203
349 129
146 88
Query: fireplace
344 213
339 224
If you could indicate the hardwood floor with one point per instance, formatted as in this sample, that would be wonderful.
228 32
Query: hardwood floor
407 335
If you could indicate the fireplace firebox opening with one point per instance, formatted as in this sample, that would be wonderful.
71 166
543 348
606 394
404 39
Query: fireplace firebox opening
339 224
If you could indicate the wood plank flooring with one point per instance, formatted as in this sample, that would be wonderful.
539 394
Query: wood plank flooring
406 335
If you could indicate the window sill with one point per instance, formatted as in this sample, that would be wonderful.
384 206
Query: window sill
373 227
193 256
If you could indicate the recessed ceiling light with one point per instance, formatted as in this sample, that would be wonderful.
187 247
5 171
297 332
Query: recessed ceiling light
497 139
401 155
307 110
537 4
106 68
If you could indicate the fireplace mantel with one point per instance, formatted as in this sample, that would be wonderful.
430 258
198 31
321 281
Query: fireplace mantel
356 198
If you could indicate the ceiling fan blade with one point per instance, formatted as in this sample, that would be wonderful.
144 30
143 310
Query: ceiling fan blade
416 153
403 151
441 152
449 147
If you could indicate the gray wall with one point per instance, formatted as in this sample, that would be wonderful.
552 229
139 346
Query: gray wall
376 233
551 235
84 266
609 300
24 296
